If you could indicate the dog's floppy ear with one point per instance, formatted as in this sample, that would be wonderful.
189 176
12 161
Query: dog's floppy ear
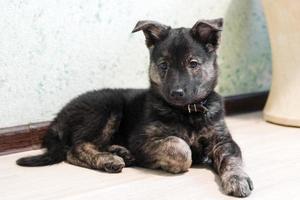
208 32
153 31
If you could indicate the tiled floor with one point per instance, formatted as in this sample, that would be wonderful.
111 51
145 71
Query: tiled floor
271 154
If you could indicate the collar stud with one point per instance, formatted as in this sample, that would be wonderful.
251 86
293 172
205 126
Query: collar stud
197 107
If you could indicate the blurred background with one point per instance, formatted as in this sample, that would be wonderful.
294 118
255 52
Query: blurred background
52 51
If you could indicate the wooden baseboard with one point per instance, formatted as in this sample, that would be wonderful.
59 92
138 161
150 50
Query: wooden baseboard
29 137
245 102
22 138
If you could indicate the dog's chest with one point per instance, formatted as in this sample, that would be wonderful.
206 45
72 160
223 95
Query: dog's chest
200 142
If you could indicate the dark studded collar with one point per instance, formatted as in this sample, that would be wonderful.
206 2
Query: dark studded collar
199 107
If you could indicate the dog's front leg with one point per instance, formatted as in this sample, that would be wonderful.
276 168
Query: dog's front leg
227 161
157 148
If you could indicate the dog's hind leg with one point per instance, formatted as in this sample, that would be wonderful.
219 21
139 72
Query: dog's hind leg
72 159
87 155
123 153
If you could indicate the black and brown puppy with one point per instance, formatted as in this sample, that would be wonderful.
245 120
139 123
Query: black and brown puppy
178 121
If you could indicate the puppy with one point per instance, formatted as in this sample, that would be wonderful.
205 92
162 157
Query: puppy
178 121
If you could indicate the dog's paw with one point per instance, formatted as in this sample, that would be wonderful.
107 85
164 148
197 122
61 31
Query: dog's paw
114 165
237 184
123 153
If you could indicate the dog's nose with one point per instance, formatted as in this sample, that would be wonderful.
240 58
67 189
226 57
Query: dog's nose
178 93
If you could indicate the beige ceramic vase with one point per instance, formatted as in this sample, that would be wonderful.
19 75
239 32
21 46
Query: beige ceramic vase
283 20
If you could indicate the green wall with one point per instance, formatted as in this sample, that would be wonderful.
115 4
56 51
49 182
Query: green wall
245 54
52 51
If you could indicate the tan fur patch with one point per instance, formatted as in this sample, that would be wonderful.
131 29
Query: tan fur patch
157 128
87 155
109 129
154 74
233 164
75 161
171 154
177 156
203 133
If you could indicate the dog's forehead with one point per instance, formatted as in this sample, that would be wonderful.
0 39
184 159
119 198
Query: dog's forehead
178 38
179 43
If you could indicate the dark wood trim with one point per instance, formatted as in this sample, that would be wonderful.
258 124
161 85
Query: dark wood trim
29 137
245 102
21 138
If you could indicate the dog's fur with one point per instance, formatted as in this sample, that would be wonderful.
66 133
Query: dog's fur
112 128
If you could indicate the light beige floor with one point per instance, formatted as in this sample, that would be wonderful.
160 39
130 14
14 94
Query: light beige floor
271 154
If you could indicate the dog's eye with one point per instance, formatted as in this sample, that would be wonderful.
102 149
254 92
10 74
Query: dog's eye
194 64
163 66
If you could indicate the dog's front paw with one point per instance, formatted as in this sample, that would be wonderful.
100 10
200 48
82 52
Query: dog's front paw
237 184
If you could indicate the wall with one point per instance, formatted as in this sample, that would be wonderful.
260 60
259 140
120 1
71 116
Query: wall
51 51
245 53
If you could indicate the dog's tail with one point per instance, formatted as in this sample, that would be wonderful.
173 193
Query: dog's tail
55 152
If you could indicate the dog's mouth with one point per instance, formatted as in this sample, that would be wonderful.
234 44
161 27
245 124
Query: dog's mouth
178 102
183 102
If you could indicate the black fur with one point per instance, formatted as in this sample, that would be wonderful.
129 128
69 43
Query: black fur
111 128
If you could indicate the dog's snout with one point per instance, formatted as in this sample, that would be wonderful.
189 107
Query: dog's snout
177 93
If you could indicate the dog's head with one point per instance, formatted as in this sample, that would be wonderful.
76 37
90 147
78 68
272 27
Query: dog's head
183 68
